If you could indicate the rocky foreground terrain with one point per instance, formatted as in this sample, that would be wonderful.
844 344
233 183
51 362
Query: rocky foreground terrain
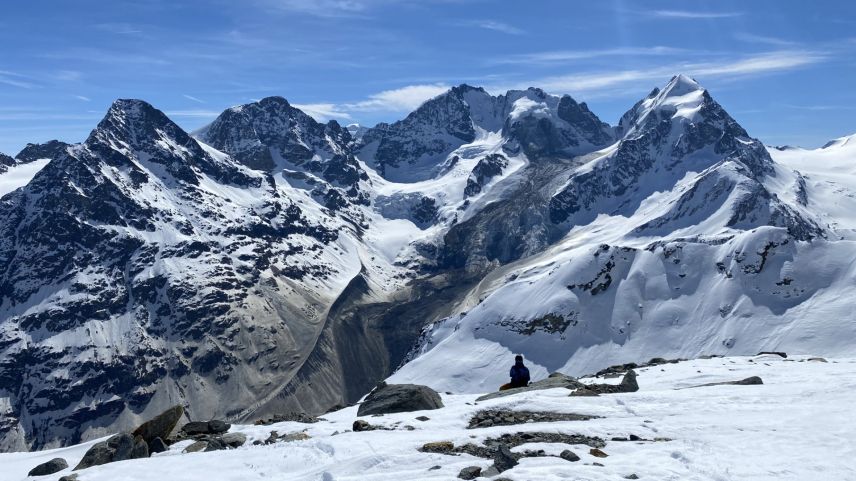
789 419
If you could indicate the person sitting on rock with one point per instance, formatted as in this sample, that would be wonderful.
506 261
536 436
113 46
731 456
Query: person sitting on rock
519 375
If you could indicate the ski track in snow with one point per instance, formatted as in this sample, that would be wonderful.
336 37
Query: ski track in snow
796 426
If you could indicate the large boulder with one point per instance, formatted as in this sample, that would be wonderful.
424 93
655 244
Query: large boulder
234 440
504 459
627 384
555 380
399 398
749 381
55 465
161 425
215 426
157 446
119 447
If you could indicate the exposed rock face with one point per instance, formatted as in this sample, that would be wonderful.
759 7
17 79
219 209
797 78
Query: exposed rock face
270 135
399 398
82 236
214 426
49 150
5 162
487 168
160 426
118 448
411 149
55 465
539 124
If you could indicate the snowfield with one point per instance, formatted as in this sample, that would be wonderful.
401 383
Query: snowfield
19 175
798 425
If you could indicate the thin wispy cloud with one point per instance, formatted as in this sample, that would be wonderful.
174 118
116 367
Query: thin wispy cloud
819 108
83 98
195 99
43 116
98 55
318 8
119 28
689 14
15 80
560 56
323 112
68 75
494 25
404 99
604 82
764 40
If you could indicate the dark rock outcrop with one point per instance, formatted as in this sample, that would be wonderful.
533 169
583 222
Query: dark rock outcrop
492 417
48 150
555 380
161 425
398 398
117 448
215 426
157 446
627 384
293 416
470 472
749 381
504 459
55 465
569 455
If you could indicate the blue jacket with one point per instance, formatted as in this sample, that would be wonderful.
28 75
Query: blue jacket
519 374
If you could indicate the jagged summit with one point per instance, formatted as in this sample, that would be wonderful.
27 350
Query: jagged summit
530 121
133 123
272 135
48 150
681 85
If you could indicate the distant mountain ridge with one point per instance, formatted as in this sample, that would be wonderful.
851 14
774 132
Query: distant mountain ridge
270 262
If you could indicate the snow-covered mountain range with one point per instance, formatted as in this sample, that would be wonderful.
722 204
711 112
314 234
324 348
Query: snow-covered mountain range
270 263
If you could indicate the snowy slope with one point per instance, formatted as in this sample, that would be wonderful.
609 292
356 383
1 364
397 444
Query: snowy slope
828 178
796 426
19 175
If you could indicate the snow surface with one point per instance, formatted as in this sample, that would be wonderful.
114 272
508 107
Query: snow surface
20 175
830 176
798 425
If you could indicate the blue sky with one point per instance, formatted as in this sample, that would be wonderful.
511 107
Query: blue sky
786 70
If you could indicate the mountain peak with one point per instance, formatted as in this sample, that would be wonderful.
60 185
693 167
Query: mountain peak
48 150
134 109
131 119
681 85
274 100
464 88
